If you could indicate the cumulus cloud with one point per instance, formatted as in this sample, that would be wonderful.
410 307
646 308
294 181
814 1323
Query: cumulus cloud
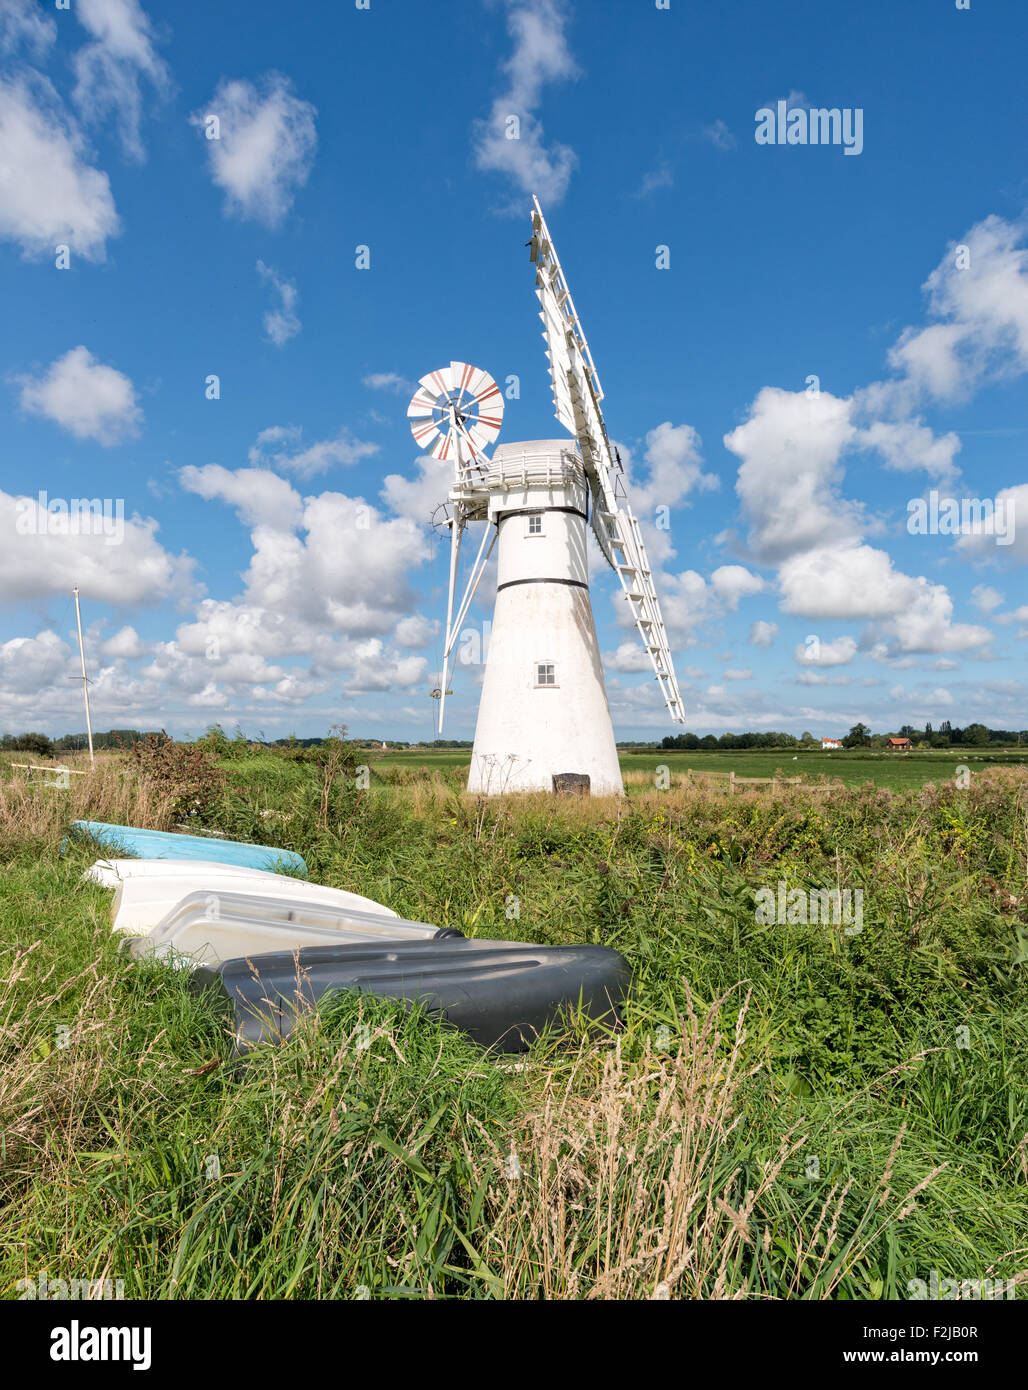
840 652
763 634
510 141
109 69
734 582
861 582
790 448
417 630
985 598
260 496
907 445
85 397
629 656
978 295
282 447
50 194
37 560
281 322
979 543
265 146
125 643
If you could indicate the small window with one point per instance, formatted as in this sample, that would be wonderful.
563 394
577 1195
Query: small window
535 524
545 673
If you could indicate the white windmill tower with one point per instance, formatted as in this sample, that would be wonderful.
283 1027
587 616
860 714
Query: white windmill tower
543 718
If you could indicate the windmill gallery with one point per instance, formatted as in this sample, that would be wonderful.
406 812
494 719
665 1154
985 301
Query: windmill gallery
543 719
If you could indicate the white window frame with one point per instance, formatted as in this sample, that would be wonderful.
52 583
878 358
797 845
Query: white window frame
534 516
545 685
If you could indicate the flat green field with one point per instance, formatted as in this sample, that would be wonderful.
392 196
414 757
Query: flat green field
850 768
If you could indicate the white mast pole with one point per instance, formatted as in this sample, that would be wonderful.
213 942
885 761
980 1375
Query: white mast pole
85 679
454 546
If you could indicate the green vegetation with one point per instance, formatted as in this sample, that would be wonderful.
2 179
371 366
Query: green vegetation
792 1109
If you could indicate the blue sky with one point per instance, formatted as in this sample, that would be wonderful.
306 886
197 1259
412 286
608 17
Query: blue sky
835 336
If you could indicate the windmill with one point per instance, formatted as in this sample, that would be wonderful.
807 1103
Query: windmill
543 718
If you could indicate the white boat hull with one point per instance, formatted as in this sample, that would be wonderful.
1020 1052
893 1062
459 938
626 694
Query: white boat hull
143 899
205 928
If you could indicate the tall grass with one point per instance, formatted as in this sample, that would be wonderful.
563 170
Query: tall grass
789 1112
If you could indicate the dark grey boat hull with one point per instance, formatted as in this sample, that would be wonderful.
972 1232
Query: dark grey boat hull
503 994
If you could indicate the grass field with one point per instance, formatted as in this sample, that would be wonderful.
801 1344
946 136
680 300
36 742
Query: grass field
793 1110
849 767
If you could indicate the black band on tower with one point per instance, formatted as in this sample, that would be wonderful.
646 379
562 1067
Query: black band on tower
572 583
535 511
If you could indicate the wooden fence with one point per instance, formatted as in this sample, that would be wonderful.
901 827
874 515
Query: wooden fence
31 769
732 780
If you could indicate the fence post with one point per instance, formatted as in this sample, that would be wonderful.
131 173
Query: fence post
731 784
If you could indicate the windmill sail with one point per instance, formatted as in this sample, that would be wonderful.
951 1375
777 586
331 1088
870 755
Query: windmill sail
577 394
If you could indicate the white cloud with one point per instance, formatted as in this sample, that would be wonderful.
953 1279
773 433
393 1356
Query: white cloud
260 497
985 598
49 194
822 678
540 55
29 663
125 644
629 656
733 582
325 568
281 446
281 322
36 561
23 21
417 498
85 397
719 135
839 652
763 634
982 313
108 70
790 446
417 631
906 445
388 381
737 675
658 177
980 544
265 147
674 464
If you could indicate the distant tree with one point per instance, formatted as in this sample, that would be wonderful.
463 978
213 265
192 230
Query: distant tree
708 741
34 743
858 737
806 737
976 734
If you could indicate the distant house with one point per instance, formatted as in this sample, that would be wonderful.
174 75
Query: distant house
831 743
900 745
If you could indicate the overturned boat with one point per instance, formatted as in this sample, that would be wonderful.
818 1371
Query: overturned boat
503 994
167 844
154 887
209 927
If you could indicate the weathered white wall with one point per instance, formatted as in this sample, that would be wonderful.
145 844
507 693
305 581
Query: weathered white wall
526 733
